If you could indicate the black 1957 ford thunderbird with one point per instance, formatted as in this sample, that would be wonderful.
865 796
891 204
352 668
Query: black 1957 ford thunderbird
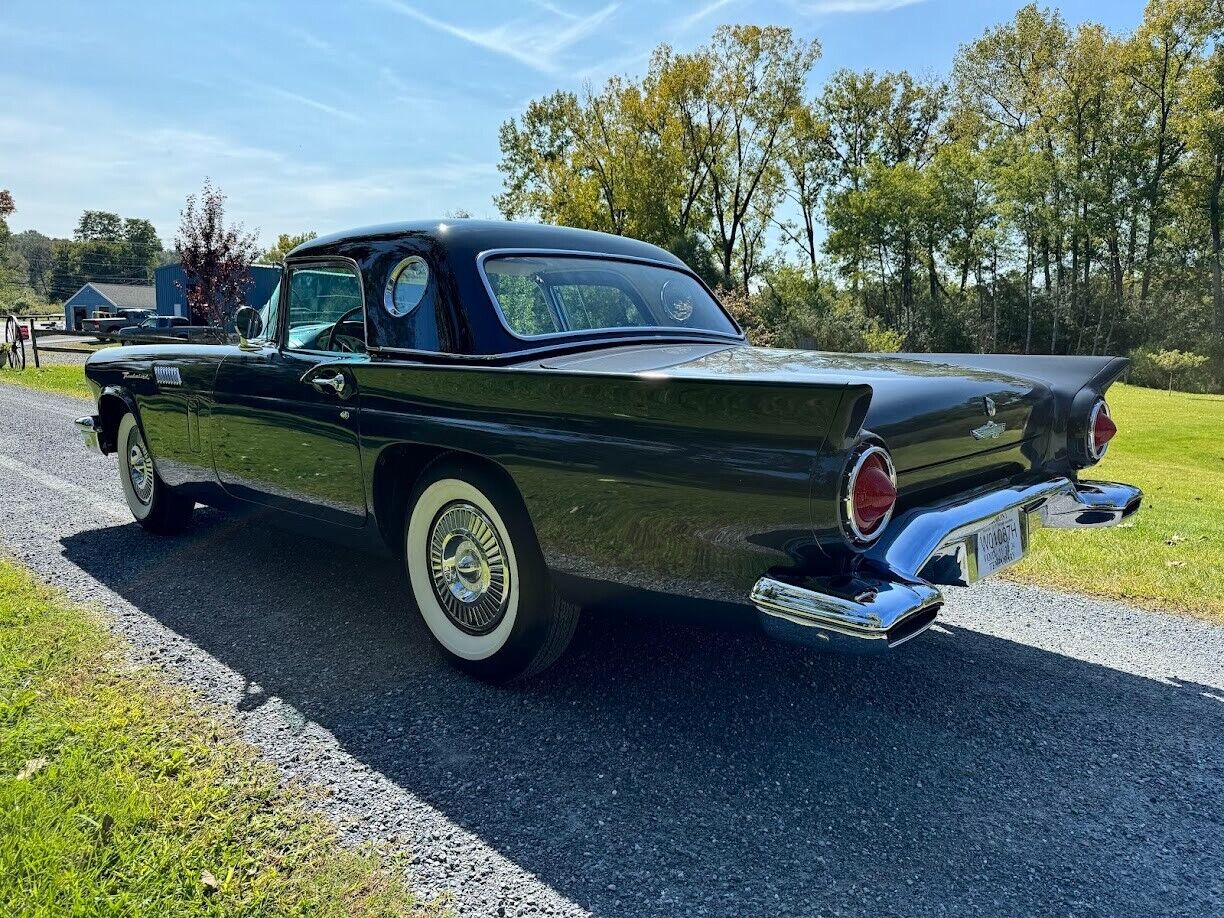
539 419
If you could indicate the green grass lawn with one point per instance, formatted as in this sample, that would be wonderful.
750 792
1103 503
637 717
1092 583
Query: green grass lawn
123 795
66 379
1170 555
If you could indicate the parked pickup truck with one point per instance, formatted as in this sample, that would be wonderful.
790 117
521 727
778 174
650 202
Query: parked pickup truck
163 328
105 326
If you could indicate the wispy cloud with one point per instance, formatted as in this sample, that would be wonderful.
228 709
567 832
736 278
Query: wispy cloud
299 99
555 10
855 6
147 169
311 40
708 10
535 44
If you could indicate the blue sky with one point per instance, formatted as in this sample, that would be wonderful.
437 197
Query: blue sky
330 115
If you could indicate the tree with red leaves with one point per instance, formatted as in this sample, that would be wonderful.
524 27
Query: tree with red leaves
216 259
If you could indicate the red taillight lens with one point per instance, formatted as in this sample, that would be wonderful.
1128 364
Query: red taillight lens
1103 430
1100 431
871 494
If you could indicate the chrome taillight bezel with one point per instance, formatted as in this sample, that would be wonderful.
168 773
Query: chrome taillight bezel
1095 455
850 528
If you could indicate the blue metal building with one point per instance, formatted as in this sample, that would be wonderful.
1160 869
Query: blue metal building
171 284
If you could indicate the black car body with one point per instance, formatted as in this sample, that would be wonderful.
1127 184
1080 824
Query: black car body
623 442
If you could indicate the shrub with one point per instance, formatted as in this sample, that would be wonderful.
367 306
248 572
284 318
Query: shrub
1169 369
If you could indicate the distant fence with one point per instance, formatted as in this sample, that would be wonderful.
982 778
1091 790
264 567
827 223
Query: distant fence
49 326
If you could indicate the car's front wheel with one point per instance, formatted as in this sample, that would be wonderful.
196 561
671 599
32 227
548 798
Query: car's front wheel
478 576
155 504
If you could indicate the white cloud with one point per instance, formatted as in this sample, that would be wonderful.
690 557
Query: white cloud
533 43
146 166
855 6
708 10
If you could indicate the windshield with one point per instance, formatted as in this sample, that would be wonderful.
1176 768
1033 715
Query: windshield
269 315
542 295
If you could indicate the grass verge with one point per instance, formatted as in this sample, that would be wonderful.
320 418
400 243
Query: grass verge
66 379
1170 555
119 795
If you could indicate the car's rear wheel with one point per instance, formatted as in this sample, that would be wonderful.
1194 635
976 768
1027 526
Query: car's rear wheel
156 506
478 576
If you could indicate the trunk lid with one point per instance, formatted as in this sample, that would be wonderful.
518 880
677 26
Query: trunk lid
928 412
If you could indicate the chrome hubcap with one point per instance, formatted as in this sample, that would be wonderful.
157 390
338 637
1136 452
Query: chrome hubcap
468 568
140 468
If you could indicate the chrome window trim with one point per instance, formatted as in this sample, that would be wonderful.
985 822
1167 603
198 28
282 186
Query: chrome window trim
857 535
306 262
737 335
393 279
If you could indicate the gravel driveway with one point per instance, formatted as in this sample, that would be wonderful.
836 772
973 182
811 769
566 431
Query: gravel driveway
1035 754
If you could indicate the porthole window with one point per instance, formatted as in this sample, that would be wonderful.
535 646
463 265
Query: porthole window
406 286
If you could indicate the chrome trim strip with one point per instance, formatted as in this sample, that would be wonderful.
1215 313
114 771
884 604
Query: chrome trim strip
681 268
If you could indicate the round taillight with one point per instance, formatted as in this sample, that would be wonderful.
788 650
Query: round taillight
871 494
1101 430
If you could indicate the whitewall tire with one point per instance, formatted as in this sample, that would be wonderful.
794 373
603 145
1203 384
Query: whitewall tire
477 575
153 503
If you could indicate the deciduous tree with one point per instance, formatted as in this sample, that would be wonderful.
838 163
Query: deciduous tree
216 258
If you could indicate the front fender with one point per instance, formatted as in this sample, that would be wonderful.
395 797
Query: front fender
113 403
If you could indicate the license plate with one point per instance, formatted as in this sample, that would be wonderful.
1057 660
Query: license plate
999 543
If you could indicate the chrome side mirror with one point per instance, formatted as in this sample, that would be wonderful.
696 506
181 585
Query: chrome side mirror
248 322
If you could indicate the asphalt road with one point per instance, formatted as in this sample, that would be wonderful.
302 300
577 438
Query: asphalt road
1035 754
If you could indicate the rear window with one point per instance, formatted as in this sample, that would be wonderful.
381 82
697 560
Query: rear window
542 295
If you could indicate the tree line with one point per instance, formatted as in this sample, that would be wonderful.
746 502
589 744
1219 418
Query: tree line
104 247
1059 190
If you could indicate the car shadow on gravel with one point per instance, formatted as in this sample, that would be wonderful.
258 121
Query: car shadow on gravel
666 769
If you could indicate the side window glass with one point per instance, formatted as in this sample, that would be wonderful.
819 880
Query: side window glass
326 309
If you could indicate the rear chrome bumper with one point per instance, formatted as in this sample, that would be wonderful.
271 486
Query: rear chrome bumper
895 596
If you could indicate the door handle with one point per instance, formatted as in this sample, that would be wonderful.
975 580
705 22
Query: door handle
335 383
